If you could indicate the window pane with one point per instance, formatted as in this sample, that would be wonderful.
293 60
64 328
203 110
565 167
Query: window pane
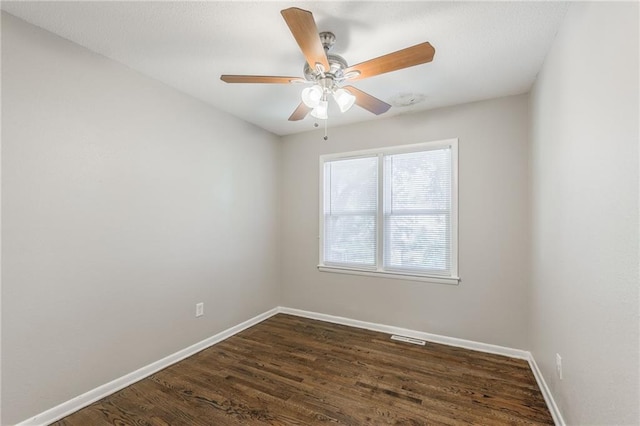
350 209
351 240
420 180
352 184
417 242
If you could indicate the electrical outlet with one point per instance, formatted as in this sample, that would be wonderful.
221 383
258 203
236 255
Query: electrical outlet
559 366
199 309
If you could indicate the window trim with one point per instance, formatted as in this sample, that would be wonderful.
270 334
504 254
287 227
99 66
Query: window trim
378 271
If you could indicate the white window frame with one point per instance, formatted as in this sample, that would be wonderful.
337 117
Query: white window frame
453 278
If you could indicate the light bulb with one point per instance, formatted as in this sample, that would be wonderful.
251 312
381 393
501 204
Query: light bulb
320 111
311 96
344 99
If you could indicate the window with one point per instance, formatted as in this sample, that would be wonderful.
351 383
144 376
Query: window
391 212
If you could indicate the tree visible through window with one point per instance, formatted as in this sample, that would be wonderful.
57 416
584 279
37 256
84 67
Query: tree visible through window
392 210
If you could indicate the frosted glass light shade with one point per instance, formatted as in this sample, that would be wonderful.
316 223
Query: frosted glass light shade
321 110
344 99
311 96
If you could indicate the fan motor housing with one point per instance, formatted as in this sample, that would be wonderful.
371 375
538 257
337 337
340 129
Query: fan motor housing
337 63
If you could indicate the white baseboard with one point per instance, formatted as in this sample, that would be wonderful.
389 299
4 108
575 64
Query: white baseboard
546 393
81 401
435 338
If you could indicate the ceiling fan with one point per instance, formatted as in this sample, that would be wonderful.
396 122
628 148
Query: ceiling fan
327 71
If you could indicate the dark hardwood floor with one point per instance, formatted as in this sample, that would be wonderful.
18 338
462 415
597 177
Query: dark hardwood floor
295 371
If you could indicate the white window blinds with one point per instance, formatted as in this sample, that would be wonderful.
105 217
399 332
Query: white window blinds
350 211
391 211
417 212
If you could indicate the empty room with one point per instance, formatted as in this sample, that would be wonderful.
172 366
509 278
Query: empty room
298 213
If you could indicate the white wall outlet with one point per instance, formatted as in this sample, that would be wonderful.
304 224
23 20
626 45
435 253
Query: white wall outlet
199 309
559 366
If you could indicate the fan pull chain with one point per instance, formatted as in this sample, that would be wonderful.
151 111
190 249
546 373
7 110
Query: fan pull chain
326 121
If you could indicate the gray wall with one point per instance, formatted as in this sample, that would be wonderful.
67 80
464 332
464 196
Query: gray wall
584 157
490 304
124 204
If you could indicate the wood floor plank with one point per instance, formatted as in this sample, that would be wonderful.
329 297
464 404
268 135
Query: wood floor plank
296 371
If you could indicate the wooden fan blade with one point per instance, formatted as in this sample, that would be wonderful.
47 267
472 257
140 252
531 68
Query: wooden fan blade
405 58
258 79
300 112
304 30
368 102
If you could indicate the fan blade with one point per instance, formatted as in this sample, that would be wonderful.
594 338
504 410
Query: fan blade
368 102
304 30
405 58
258 79
300 112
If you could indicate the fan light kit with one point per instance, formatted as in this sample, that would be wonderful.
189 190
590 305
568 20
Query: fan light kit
316 97
327 71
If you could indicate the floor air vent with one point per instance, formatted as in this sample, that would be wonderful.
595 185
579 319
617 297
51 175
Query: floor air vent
407 339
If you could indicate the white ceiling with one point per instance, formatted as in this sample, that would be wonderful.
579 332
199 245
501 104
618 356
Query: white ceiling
483 50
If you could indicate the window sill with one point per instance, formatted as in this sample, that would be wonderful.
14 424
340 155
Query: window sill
392 275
